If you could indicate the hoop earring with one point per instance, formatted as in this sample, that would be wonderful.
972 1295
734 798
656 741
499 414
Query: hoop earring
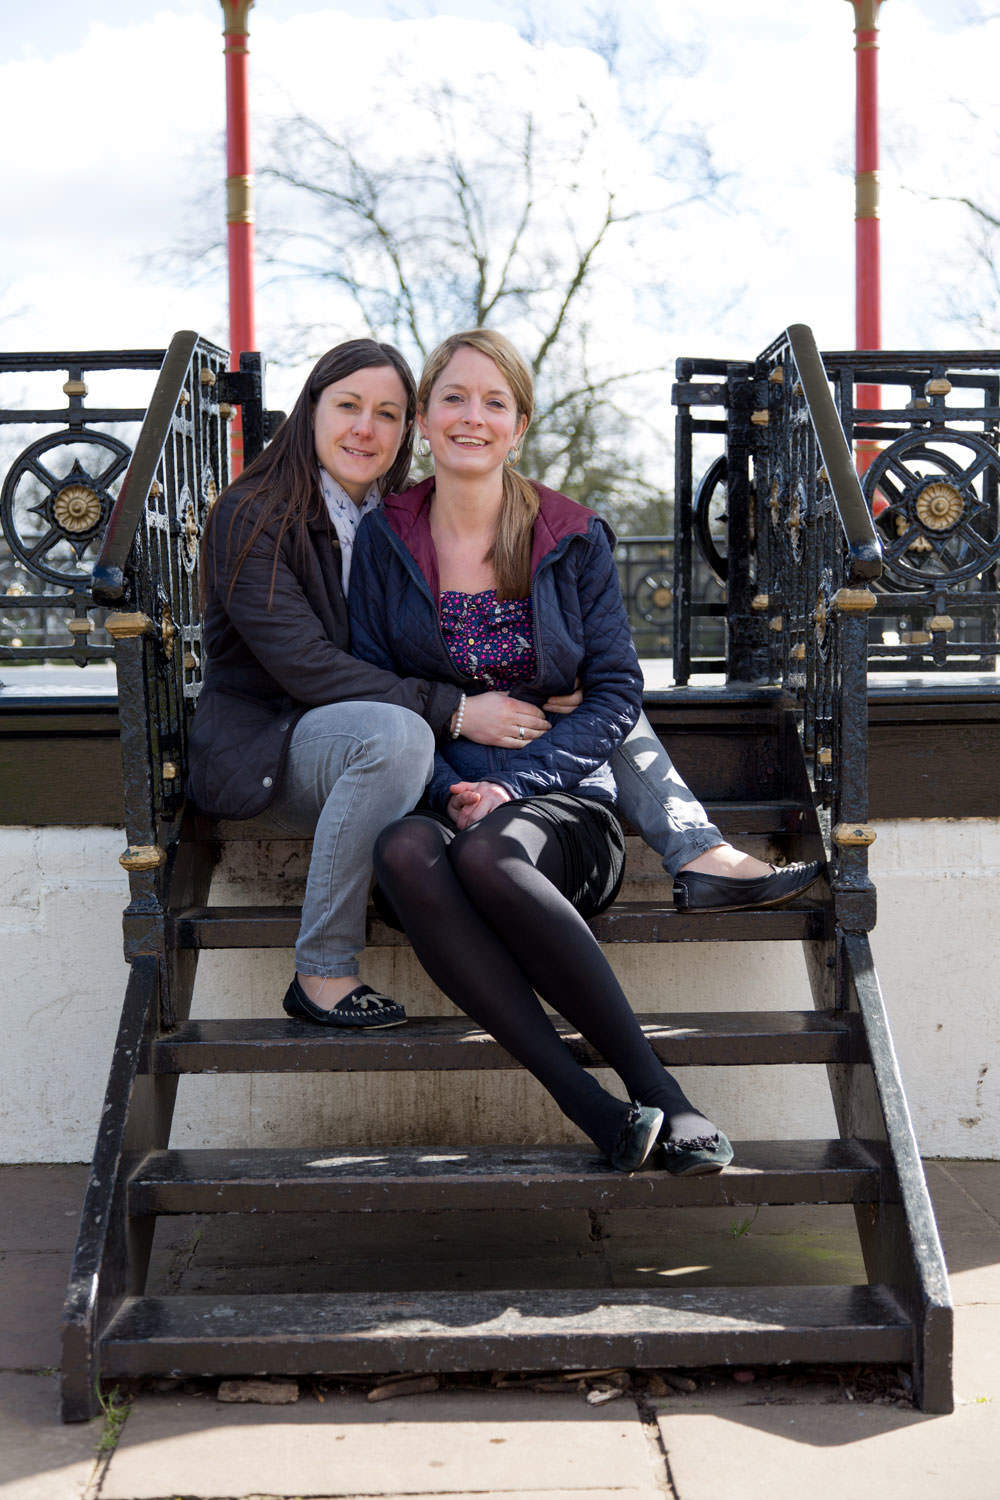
422 449
513 454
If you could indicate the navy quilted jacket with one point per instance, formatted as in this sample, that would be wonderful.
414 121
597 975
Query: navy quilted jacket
581 630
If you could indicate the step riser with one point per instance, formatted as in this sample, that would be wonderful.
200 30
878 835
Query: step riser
371 1333
438 1353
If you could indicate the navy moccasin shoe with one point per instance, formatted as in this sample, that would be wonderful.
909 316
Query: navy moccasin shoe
694 892
363 1009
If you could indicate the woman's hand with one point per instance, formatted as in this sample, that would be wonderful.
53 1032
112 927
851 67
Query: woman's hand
564 703
496 719
472 800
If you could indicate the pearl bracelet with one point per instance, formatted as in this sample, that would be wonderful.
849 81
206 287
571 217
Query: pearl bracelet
459 716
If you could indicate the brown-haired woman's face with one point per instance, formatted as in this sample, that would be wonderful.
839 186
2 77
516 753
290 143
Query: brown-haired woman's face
358 426
471 418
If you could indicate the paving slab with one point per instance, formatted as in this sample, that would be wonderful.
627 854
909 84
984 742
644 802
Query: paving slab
762 1452
980 1180
42 1459
448 1443
41 1206
32 1288
977 1359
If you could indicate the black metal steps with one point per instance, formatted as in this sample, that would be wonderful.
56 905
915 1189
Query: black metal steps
360 1332
697 1038
625 922
498 1178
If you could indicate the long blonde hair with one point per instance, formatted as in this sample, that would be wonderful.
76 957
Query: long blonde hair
511 550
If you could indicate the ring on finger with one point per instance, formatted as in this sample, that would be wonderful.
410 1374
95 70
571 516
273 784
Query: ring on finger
520 731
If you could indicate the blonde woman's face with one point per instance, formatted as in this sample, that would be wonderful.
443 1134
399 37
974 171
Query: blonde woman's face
471 419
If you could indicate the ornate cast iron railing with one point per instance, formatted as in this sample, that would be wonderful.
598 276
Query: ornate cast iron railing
61 491
933 487
816 556
148 573
55 501
782 518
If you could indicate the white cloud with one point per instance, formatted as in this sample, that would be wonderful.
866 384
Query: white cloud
112 136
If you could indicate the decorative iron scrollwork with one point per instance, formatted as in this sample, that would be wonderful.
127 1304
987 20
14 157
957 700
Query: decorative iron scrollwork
77 508
51 518
939 527
711 518
821 613
796 519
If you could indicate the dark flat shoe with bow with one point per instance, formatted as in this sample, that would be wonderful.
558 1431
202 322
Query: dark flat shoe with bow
694 892
637 1137
696 1158
363 1009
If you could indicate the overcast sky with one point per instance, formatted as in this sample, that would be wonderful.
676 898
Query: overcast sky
112 117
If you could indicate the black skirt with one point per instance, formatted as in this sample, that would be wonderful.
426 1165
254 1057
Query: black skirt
590 838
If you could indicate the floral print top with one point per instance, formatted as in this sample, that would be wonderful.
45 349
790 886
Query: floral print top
490 638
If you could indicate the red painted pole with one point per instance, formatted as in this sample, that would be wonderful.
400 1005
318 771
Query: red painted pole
239 198
867 255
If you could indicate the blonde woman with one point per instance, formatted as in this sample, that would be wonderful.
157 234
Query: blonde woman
480 579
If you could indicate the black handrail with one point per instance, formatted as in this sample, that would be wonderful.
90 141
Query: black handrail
863 545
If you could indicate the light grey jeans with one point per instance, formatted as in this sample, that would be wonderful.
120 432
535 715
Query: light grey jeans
352 769
657 802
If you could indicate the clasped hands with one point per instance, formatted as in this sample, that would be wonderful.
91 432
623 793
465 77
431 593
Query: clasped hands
497 719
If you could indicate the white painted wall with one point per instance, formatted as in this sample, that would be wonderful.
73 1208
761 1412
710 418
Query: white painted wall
937 948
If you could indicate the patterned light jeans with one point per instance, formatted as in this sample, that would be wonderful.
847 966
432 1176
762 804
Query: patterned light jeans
658 804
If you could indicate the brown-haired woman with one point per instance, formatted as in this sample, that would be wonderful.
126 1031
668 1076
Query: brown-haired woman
481 579
288 720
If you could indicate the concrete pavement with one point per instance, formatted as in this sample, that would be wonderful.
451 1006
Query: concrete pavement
777 1435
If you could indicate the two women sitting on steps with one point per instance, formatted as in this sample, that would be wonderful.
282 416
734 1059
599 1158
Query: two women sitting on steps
478 600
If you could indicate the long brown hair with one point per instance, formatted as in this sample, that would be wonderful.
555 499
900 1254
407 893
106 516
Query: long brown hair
282 483
511 550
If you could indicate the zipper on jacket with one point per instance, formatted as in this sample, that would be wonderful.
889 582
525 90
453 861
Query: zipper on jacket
549 560
409 562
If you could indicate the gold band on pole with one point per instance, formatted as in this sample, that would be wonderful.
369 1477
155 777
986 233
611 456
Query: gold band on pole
866 195
239 199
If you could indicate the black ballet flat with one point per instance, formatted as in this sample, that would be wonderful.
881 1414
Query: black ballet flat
694 892
363 1009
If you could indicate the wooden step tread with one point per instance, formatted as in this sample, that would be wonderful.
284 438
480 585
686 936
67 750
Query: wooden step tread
697 1038
400 1179
625 922
359 1332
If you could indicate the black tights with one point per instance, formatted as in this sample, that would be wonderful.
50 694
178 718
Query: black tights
485 912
